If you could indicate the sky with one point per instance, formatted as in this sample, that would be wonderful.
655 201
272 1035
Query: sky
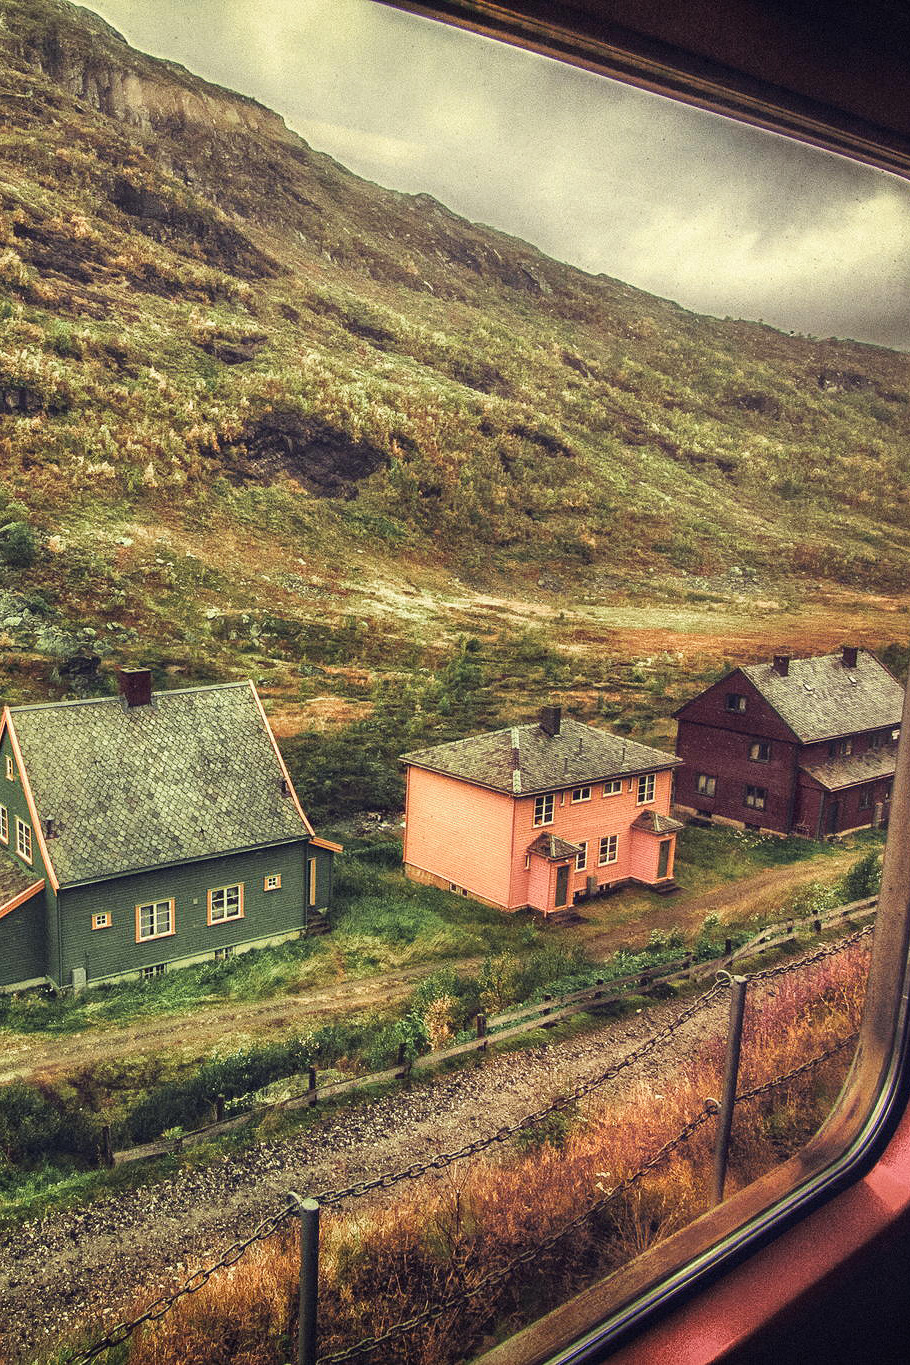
720 217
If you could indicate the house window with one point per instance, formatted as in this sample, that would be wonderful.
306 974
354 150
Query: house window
581 858
581 794
148 973
755 797
226 902
613 787
101 920
10 770
226 951
839 748
760 751
272 882
878 739
705 785
865 798
4 825
888 787
23 840
645 788
543 809
609 850
735 701
154 920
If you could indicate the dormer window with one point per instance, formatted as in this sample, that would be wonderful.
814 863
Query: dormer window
735 701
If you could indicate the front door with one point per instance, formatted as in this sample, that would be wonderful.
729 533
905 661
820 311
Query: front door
562 885
663 859
833 816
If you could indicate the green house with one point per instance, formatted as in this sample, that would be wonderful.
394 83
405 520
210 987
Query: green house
148 831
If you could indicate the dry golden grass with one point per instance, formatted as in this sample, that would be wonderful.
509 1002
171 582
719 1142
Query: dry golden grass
387 1261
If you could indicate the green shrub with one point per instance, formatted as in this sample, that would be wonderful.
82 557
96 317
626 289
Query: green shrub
38 1125
18 544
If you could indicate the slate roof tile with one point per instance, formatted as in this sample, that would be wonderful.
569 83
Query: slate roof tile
578 754
554 849
13 880
820 698
192 776
852 769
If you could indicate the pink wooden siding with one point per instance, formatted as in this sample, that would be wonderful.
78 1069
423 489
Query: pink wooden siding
591 820
460 832
539 893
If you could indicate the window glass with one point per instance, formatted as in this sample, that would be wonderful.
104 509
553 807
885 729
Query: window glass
225 903
543 809
154 919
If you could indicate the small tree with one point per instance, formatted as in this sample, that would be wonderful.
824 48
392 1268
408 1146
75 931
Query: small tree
18 544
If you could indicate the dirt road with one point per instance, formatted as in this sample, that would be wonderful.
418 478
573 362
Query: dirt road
67 1267
194 1032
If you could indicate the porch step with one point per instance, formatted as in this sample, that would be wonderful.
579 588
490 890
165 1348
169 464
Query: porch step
668 888
316 924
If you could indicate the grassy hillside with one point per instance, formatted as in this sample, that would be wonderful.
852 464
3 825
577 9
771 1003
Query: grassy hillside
265 418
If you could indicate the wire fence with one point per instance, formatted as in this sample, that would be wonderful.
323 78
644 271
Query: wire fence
271 1225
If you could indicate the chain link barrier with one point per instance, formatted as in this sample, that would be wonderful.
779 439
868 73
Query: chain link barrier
269 1226
124 1330
442 1159
369 1344
828 951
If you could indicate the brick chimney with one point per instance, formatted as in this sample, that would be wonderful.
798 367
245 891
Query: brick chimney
849 653
135 686
550 719
782 664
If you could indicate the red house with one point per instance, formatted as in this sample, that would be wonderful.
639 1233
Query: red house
539 816
802 746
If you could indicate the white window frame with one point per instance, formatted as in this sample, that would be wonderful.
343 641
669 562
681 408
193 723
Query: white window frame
581 859
647 786
159 915
102 920
753 799
24 840
613 787
272 882
580 794
4 825
610 853
541 808
10 769
223 905
705 778
156 969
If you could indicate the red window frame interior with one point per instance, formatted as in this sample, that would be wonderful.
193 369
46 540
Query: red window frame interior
771 1245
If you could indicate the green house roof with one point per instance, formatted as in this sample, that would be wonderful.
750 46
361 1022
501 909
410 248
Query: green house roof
193 775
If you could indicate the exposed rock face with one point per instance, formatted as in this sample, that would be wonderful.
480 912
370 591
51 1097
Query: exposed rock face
327 460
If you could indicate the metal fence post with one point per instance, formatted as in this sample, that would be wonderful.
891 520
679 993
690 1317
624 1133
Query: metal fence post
738 986
307 1211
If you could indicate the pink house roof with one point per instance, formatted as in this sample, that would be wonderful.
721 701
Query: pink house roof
527 758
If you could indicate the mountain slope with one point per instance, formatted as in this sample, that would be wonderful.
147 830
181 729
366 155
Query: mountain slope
239 380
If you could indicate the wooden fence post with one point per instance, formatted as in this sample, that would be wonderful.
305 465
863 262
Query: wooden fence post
482 1030
738 986
307 1211
219 1108
311 1084
107 1151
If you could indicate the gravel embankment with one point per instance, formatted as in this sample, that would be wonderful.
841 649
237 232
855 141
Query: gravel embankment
62 1269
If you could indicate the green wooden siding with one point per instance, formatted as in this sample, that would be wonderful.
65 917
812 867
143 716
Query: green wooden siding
110 951
23 949
13 797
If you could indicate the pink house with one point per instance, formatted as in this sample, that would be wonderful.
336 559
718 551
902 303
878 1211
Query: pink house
539 816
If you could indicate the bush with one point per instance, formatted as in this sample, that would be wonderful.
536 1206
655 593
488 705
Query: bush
38 1125
864 877
18 544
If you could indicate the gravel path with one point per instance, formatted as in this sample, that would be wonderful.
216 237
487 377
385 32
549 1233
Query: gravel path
62 1268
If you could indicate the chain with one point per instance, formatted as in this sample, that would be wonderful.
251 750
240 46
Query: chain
443 1159
124 1330
496 1276
817 956
797 1071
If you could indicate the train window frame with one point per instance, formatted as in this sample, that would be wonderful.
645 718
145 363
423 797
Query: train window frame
621 1308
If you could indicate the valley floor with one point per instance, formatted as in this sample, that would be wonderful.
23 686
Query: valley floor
625 921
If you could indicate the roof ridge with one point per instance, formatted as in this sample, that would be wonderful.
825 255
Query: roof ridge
99 701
